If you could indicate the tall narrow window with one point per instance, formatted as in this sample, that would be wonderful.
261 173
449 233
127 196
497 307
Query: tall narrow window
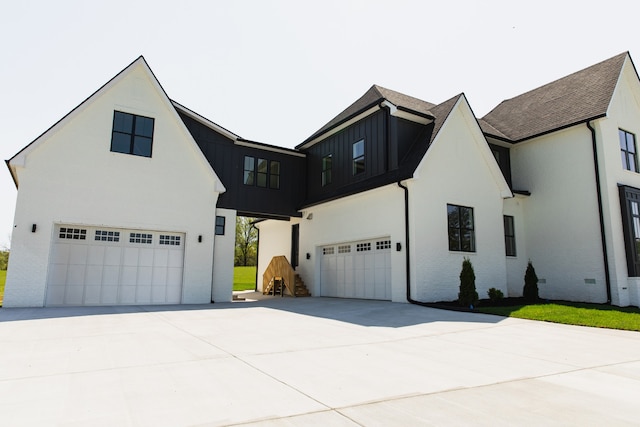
358 157
509 236
326 170
461 228
132 134
262 173
220 222
274 174
630 207
249 170
628 150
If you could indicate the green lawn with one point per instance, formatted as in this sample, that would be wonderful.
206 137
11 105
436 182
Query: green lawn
596 315
244 278
3 277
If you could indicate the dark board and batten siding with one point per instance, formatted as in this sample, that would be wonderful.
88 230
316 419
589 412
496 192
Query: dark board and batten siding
372 130
227 160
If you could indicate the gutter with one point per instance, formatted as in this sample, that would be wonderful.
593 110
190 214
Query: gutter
605 256
406 247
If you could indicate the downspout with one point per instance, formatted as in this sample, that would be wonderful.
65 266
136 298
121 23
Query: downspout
605 256
406 246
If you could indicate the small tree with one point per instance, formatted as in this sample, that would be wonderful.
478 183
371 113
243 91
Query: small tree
467 296
530 291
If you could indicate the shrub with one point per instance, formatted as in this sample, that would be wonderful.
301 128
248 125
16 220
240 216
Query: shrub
467 296
530 291
495 294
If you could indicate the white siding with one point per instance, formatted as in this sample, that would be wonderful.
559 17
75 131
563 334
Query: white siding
223 257
71 177
458 169
561 220
624 113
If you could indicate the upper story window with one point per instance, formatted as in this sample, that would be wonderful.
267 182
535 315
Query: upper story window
358 157
628 150
326 169
509 236
132 134
261 172
461 228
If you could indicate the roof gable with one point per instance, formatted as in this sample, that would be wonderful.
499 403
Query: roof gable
19 159
372 97
576 98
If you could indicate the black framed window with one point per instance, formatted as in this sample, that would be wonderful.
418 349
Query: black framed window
461 228
358 157
274 174
630 209
132 134
220 223
509 236
628 150
326 169
261 172
249 170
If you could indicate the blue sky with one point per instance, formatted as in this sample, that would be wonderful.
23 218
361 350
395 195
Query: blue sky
276 71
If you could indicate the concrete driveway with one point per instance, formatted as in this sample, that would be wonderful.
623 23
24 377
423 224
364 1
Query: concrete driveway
309 361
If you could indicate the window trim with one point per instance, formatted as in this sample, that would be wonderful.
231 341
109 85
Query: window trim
256 176
132 134
327 167
220 228
509 238
625 153
359 160
629 195
460 247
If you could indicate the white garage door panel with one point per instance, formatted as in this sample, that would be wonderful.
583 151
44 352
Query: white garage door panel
103 266
357 270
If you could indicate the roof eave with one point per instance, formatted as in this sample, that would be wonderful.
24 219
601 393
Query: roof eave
547 132
317 136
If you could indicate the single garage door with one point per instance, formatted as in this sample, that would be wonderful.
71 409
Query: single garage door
357 270
108 266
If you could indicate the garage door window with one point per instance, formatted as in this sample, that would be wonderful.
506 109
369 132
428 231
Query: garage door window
73 233
383 244
107 236
362 247
344 249
170 240
328 251
140 238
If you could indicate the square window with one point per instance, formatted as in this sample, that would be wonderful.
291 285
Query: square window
132 134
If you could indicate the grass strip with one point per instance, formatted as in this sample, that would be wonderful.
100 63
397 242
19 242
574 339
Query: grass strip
582 314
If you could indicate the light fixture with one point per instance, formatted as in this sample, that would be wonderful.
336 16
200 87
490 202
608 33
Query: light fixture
200 238
398 246
310 216
308 255
33 228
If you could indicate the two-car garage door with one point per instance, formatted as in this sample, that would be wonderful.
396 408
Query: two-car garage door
108 266
356 270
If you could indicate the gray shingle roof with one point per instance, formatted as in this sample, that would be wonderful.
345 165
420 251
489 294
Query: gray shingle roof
573 99
373 95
